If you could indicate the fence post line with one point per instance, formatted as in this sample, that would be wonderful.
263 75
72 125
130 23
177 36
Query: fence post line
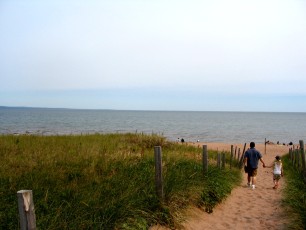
205 160
26 210
158 172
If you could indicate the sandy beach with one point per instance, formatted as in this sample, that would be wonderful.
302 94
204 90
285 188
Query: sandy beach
245 208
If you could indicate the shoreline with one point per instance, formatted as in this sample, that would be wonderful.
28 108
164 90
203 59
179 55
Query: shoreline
261 147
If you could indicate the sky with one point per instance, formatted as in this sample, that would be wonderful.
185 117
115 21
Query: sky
195 55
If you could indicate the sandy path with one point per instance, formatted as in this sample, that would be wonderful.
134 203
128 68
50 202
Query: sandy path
246 208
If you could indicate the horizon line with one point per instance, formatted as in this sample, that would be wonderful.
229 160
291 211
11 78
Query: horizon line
144 110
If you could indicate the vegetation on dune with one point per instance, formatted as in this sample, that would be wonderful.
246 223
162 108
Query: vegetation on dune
295 195
106 181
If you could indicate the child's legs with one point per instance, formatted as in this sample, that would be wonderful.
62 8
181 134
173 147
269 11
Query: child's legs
276 182
276 178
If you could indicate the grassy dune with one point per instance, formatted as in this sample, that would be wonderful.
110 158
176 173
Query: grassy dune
106 181
295 195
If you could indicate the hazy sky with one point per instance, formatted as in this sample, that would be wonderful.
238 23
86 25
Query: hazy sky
220 55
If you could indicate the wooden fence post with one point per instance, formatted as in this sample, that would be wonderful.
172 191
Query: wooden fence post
236 153
293 156
303 159
158 172
265 146
205 160
223 160
219 160
232 155
26 210
298 158
242 156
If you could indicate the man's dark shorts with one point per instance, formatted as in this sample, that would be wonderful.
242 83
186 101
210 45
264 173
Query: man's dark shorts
252 172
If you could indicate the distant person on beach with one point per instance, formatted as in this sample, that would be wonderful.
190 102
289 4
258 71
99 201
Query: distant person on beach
277 171
251 158
182 140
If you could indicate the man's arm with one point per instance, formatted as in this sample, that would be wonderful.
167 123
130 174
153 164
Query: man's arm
263 163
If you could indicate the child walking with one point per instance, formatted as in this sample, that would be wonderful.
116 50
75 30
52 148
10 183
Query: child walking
277 171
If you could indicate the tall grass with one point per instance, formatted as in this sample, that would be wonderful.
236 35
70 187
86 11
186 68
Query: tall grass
295 195
105 181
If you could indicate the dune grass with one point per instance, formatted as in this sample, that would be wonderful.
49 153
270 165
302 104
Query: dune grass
106 181
295 195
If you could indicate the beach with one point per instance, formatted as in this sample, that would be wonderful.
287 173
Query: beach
245 208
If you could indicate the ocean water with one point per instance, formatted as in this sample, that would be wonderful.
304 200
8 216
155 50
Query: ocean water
229 127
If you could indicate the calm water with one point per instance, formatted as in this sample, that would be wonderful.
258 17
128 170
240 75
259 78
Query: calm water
228 127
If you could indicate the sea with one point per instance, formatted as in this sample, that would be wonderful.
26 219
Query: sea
192 126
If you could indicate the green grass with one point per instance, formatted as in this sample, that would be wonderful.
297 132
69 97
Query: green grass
106 181
295 195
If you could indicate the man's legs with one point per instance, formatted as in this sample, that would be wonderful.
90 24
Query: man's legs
254 180
251 181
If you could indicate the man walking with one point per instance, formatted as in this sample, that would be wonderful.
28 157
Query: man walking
251 158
